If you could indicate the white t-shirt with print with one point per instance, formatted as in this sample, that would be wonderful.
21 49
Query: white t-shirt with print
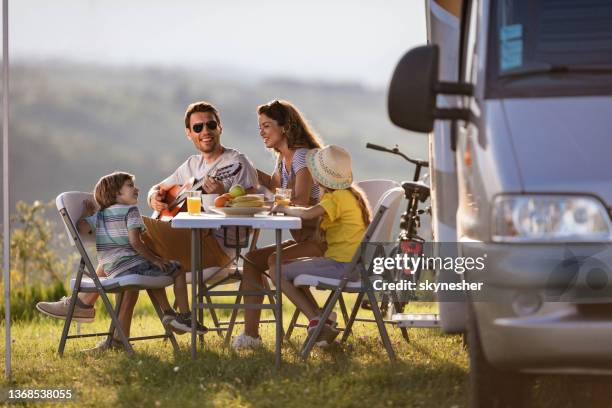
195 166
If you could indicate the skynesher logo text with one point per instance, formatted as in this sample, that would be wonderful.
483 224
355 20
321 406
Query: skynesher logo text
427 285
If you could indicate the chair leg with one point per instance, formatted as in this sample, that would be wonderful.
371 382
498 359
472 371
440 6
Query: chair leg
111 328
351 320
232 321
381 325
343 309
213 315
115 322
160 314
202 294
310 340
296 314
67 322
71 308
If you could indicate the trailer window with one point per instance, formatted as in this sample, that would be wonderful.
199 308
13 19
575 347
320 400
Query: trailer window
550 45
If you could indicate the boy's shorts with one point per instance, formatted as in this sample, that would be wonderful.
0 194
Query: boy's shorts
317 266
148 269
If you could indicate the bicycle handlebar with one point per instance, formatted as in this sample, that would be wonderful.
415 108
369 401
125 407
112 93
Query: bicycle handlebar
395 150
376 147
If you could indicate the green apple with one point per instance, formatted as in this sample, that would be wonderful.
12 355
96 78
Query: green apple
237 191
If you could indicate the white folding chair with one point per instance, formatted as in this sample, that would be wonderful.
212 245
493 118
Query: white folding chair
359 269
374 191
70 206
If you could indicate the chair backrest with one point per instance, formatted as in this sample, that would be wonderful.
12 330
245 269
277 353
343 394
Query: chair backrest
381 232
72 203
70 206
375 190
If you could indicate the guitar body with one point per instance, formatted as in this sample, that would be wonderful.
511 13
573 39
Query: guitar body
171 196
176 197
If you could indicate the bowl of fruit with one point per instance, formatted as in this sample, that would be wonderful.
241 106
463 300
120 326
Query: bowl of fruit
237 203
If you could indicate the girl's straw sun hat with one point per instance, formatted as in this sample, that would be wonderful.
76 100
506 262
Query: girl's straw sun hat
330 167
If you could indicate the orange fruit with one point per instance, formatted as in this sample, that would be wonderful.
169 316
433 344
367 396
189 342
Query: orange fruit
220 201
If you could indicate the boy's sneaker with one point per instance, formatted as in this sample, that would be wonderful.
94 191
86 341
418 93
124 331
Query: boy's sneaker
244 341
182 324
168 317
59 310
329 332
168 320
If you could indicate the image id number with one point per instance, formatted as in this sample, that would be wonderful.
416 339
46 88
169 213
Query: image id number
20 394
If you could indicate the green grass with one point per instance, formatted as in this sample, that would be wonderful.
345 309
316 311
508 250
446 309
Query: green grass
432 371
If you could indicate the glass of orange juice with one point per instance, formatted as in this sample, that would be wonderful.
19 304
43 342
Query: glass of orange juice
282 196
194 202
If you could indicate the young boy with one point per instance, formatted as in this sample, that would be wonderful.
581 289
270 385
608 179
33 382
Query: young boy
118 226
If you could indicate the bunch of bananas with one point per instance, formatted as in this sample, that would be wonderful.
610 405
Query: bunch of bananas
248 200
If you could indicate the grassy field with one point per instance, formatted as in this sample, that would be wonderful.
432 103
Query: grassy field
432 371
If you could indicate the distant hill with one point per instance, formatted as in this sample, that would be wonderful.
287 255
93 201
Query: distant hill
70 124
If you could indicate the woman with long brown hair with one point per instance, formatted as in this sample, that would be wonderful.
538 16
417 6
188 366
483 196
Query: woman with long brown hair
284 130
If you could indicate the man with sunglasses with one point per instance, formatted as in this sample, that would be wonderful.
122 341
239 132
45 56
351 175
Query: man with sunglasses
203 128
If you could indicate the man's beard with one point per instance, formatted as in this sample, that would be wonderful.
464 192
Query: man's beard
208 148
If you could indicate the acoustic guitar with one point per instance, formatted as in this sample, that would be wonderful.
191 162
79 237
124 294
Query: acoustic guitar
176 197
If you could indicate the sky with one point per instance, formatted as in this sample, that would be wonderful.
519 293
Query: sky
331 40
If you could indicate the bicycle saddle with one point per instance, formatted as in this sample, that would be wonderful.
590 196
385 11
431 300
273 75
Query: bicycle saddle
419 187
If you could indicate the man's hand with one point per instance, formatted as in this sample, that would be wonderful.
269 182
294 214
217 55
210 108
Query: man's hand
212 186
156 202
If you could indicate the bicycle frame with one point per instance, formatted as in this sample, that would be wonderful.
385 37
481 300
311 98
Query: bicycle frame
409 241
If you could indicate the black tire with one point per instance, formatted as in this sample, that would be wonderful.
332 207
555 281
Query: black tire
491 387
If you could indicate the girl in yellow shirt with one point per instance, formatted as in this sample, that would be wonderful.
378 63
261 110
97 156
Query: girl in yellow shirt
345 217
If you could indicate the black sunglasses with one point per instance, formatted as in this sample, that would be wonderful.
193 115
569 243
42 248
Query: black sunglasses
211 125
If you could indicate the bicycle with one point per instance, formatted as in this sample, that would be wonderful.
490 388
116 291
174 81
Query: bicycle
409 240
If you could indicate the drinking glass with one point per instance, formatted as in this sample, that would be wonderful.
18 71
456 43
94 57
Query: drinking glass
282 196
208 201
194 202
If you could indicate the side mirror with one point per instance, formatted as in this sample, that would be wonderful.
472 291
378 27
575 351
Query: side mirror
414 87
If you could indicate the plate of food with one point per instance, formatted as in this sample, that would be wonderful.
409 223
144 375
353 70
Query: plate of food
240 211
244 205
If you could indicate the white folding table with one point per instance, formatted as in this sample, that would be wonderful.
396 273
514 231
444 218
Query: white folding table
212 221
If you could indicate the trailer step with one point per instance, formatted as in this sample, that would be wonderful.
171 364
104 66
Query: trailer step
416 319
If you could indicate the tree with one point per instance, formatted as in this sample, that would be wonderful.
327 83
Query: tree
36 246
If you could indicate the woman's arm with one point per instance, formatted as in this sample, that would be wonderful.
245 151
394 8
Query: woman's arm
264 178
144 251
305 213
267 180
302 187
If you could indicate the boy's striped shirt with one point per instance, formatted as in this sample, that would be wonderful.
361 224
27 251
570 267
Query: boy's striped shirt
111 226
